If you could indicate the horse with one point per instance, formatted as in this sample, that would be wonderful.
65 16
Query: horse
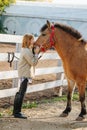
72 49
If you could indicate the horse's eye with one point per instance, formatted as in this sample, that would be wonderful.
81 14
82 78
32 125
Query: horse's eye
43 34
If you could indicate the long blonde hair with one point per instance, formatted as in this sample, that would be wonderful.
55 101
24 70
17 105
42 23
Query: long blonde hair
27 40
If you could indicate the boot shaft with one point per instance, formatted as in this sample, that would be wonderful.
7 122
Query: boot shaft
19 97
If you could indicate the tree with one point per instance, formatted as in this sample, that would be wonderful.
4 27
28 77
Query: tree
3 5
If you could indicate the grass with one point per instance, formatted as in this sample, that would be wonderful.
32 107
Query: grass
34 104
29 105
62 98
1 115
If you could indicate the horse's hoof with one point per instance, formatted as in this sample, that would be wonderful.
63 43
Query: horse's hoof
63 115
79 118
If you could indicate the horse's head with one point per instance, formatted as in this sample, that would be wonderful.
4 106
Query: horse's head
46 39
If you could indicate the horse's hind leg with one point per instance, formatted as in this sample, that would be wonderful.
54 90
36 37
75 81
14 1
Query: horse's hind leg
81 88
71 85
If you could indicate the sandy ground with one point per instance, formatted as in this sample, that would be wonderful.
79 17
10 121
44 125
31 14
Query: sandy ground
46 115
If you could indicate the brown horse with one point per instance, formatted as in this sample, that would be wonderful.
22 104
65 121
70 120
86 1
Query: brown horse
72 49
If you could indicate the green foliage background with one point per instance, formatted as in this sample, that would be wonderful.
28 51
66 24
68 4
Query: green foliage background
3 5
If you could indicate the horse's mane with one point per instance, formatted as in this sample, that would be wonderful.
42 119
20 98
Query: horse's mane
67 29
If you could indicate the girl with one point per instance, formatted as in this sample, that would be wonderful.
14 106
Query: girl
27 60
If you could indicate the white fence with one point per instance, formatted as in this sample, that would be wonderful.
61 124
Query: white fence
5 38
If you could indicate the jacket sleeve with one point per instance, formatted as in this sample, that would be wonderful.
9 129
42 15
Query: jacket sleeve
30 58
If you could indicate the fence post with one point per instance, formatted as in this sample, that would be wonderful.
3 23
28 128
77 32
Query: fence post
15 81
58 90
61 87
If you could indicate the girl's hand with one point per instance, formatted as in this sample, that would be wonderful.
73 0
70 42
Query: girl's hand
37 50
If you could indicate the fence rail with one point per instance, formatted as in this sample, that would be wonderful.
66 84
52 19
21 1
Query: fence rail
5 38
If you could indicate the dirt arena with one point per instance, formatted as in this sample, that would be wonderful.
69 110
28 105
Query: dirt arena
46 115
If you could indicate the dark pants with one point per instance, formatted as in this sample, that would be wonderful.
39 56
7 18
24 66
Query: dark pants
19 97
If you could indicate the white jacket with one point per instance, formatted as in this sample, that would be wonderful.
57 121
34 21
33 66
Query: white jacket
26 61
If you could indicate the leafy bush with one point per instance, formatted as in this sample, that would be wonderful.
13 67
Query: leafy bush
2 28
3 5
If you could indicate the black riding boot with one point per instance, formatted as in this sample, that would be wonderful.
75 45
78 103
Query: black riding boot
19 100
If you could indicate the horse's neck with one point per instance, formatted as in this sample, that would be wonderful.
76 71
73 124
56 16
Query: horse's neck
64 43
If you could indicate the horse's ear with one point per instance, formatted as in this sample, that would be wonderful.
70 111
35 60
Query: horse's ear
48 24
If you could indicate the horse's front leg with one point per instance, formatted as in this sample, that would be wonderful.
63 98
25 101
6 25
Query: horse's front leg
71 85
81 88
